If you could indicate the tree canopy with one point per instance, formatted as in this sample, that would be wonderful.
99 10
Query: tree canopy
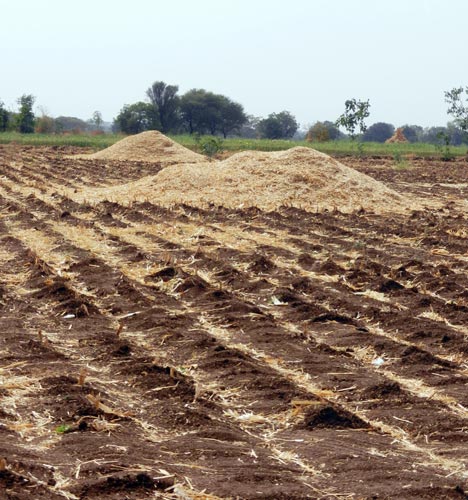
4 117
278 126
136 118
378 132
165 101
25 118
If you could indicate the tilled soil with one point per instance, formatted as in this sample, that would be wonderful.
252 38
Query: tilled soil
155 353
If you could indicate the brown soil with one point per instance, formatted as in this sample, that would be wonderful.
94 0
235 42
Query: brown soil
150 147
191 353
299 177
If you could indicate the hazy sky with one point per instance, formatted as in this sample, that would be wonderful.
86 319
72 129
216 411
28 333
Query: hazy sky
307 57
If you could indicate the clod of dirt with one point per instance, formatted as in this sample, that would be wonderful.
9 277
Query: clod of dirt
327 416
120 484
149 147
299 177
260 264
383 390
390 286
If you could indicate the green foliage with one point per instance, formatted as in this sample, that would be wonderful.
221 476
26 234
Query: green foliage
413 132
335 148
63 429
96 120
165 102
4 117
136 118
400 161
318 133
378 132
352 120
70 124
278 126
323 132
444 147
456 107
25 117
209 146
205 112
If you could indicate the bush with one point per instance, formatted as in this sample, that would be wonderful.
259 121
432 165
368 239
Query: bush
209 146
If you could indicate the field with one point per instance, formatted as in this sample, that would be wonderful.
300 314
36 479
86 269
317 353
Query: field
203 354
336 148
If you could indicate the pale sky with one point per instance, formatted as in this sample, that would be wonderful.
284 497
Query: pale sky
306 57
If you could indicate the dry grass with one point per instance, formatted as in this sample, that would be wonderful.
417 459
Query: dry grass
299 177
148 147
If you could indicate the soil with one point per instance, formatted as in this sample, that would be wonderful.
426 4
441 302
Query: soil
203 353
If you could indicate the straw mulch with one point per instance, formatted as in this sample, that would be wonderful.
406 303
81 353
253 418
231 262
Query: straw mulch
150 147
397 137
299 177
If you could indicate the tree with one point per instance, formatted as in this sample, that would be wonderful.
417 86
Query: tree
4 117
432 135
413 132
278 126
25 118
136 118
250 128
70 124
232 116
378 132
323 131
193 109
457 109
165 101
352 120
96 120
45 125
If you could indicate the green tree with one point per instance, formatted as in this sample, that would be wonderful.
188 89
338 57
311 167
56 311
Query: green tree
232 116
136 118
70 124
278 126
25 118
165 101
318 133
96 120
378 132
454 98
193 110
323 131
4 117
413 132
201 111
352 120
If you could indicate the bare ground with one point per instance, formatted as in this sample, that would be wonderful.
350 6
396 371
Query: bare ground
187 353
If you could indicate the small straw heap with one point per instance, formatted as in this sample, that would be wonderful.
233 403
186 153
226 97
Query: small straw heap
148 147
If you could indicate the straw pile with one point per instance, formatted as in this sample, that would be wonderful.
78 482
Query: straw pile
299 177
397 137
150 147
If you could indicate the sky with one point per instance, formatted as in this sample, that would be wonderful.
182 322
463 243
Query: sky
304 56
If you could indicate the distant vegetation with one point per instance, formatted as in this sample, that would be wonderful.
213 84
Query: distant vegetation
336 148
200 112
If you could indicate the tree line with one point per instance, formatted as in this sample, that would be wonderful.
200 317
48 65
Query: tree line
201 112
26 122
